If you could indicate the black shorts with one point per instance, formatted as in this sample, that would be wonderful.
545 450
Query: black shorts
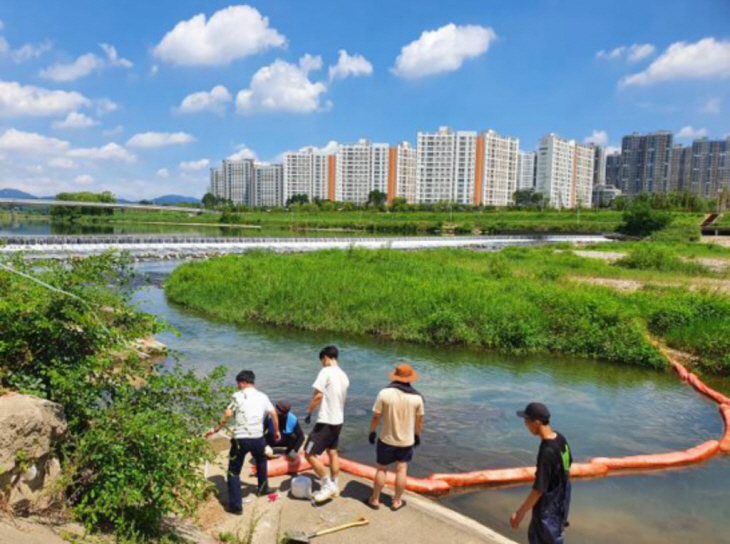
387 455
323 437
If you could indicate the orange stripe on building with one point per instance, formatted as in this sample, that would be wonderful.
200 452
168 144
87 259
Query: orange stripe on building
331 177
479 171
392 173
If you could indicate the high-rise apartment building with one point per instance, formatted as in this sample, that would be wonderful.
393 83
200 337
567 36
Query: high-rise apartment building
710 167
239 176
217 188
680 169
599 165
496 183
309 171
356 165
436 164
613 169
526 164
645 163
402 172
466 167
565 172
269 186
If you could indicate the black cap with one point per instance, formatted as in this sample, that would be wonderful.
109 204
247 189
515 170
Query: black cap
283 406
536 412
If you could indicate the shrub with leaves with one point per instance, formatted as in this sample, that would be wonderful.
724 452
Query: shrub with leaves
133 454
141 458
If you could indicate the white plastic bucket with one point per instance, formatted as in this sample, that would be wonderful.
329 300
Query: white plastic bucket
301 487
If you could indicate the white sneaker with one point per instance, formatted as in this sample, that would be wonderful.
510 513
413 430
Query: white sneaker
269 452
329 491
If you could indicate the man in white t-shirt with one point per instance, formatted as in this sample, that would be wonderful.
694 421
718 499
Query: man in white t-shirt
330 393
249 408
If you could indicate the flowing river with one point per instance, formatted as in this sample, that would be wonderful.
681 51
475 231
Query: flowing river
471 398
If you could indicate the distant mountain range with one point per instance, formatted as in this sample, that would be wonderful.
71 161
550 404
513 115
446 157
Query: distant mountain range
15 193
164 200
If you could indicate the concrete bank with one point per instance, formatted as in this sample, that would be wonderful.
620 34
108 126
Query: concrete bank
421 521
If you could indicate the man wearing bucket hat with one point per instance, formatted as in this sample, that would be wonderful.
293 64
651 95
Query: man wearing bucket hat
549 499
400 408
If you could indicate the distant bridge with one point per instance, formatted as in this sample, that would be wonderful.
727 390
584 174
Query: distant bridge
16 202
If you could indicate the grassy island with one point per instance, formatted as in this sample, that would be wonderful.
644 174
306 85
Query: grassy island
516 300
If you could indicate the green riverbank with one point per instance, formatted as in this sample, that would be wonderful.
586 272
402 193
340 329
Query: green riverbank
406 222
518 300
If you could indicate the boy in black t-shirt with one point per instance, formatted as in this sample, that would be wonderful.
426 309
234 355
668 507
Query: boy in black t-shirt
550 495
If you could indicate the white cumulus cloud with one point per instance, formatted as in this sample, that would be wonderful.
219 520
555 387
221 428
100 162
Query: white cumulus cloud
163 173
330 148
632 53
21 100
113 131
61 162
84 179
597 137
75 120
29 51
31 142
159 139
708 58
442 50
84 65
229 34
214 101
711 105
193 166
283 87
350 66
691 133
111 151
242 152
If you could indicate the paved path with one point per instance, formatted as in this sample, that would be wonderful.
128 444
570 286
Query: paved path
421 521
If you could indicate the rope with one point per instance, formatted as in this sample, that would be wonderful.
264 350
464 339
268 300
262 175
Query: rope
57 290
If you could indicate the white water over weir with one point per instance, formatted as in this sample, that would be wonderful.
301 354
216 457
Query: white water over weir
176 247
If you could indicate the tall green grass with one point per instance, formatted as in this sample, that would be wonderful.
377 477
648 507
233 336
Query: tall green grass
519 300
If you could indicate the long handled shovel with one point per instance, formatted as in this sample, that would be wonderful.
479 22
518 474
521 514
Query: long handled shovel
304 538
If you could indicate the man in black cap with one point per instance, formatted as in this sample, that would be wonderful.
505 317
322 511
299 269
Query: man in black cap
550 495
292 436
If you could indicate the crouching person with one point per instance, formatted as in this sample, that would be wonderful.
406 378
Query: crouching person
248 407
401 409
292 436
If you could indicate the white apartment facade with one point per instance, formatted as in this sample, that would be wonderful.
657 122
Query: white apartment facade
565 172
307 172
497 182
238 177
402 170
526 170
269 185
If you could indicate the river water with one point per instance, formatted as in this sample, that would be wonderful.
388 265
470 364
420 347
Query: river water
471 398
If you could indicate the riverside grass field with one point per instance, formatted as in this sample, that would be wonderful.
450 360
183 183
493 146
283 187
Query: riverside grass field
518 300
301 218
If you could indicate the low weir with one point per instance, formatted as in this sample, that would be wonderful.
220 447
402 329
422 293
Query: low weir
168 247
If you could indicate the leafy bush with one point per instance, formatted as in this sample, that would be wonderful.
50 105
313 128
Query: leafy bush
131 456
640 219
651 257
140 459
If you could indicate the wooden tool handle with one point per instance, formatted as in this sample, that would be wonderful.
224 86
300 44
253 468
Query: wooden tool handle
360 522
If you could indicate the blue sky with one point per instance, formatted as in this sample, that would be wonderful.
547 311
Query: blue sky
93 94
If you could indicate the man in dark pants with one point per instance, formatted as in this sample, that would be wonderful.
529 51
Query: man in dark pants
550 495
249 407
292 436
